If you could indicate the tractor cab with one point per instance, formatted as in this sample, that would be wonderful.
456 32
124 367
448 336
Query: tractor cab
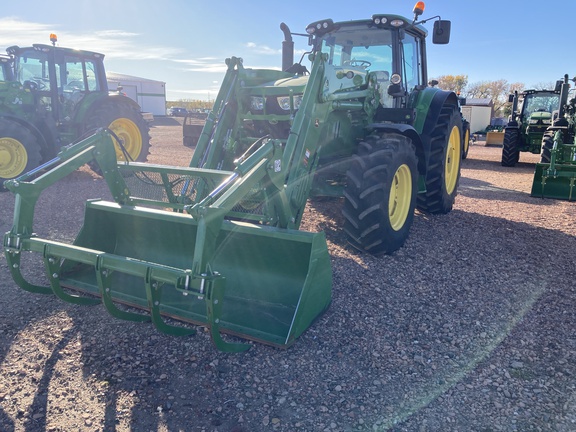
60 78
536 107
390 48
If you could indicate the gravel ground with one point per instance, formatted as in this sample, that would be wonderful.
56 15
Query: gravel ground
469 327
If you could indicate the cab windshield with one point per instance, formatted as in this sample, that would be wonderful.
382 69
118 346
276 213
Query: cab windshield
543 101
72 73
372 49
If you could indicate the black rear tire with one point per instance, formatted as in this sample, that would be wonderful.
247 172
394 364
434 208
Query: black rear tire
380 194
510 147
443 174
20 150
465 139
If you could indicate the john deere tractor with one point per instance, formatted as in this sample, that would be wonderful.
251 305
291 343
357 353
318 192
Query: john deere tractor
56 96
531 116
218 243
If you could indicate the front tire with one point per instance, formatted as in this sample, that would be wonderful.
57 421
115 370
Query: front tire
380 194
128 124
547 145
510 148
443 172
20 150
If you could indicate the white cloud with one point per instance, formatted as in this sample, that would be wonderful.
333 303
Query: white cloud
263 49
112 43
203 64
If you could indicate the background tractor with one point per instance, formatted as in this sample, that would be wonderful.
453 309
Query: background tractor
56 96
531 116
555 175
218 243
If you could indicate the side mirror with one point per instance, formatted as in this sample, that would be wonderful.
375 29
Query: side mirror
558 86
441 34
510 98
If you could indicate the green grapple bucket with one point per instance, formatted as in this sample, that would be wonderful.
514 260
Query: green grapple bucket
557 183
557 179
275 283
254 281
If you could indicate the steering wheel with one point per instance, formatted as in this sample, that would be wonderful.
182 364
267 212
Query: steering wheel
40 82
76 85
358 63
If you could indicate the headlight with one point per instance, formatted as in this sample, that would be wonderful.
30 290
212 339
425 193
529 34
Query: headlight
547 121
284 102
257 103
533 121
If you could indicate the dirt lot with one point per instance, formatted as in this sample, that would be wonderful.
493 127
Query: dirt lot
469 327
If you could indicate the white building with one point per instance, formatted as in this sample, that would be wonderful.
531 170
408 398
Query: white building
149 94
479 113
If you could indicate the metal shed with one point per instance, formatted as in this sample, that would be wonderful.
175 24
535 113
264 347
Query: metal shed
149 94
478 112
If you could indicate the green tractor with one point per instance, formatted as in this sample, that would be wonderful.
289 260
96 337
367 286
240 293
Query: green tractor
531 116
218 243
555 175
55 97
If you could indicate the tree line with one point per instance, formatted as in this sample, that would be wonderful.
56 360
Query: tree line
191 104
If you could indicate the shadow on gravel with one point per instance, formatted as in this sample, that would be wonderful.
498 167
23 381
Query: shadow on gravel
496 166
20 310
409 339
481 190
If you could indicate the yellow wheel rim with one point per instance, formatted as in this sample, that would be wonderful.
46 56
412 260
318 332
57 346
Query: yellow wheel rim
13 157
130 135
452 162
466 140
400 197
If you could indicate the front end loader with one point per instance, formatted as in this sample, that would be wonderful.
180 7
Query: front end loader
218 243
555 175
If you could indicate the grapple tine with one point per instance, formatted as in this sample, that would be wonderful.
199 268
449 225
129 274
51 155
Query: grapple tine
52 265
154 297
103 277
13 261
214 300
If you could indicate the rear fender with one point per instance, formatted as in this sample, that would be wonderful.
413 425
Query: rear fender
428 108
46 139
95 100
408 131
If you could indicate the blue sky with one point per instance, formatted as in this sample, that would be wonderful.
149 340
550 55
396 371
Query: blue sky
184 42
